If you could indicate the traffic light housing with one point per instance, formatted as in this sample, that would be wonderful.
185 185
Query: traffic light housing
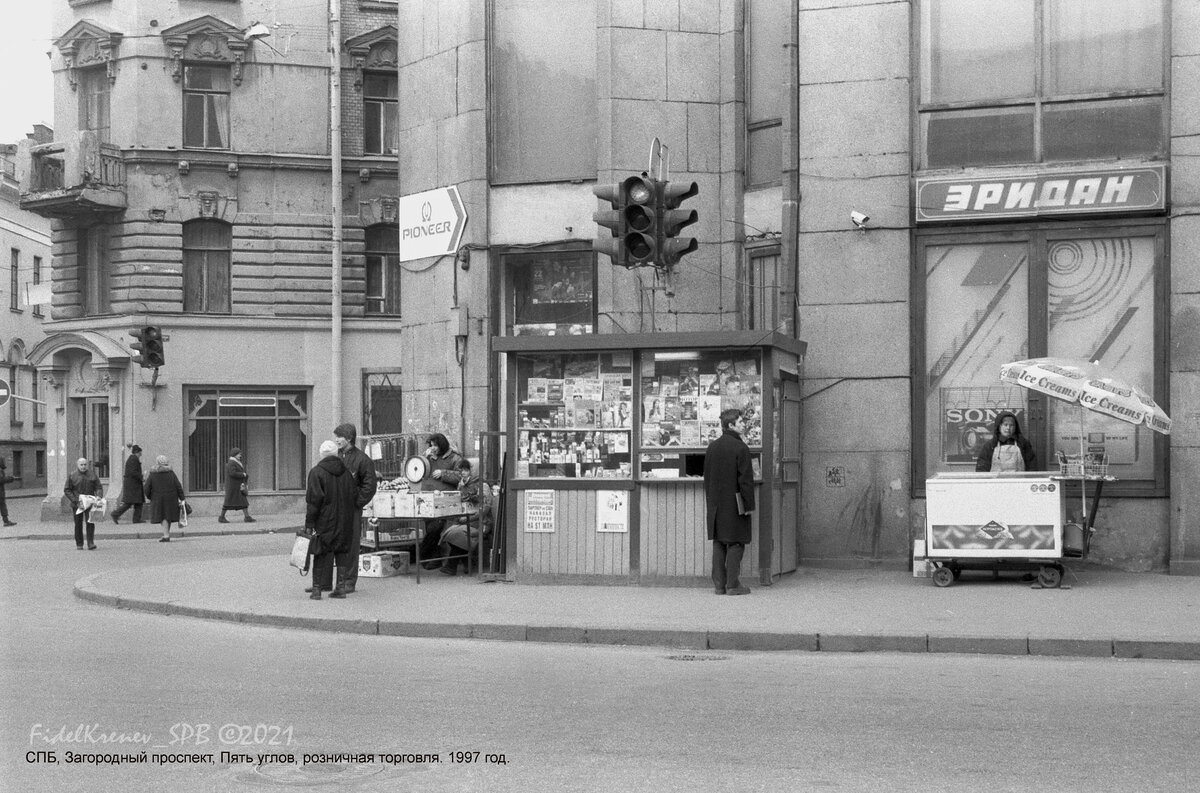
640 213
613 220
150 353
672 220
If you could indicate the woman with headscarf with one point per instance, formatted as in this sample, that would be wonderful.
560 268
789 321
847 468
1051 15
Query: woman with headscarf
236 496
164 493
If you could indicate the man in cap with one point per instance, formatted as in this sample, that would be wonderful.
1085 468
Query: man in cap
133 492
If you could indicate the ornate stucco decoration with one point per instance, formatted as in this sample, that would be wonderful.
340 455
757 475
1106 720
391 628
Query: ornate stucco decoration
87 44
374 50
206 39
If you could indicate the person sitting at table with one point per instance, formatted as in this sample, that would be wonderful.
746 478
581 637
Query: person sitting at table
445 473
461 538
1008 449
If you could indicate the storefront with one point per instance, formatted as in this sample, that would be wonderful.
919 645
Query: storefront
607 436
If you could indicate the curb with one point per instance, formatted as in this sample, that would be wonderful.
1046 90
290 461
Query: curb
154 535
666 638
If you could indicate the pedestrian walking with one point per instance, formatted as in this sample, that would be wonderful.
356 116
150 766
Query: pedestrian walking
729 497
330 497
4 480
164 493
362 471
132 487
236 494
83 489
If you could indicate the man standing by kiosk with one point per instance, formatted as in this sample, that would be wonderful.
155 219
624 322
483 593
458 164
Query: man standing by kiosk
362 471
729 497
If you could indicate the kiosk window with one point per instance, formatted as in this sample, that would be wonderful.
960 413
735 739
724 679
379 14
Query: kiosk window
553 293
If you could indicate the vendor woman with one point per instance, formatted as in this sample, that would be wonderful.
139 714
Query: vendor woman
1008 450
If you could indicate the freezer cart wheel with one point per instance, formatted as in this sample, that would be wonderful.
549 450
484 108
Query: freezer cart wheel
943 576
1050 576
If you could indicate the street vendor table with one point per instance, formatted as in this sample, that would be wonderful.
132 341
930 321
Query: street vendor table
402 533
1004 521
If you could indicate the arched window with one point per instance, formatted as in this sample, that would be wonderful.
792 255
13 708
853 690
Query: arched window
206 265
383 270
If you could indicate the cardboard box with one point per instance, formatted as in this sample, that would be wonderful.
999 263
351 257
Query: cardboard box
404 505
439 504
922 567
383 564
381 506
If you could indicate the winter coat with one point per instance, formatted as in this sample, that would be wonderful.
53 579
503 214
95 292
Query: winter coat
4 477
164 492
82 483
330 497
450 464
235 477
362 474
984 461
132 486
727 472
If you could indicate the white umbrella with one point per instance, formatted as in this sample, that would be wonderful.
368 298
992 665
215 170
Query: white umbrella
1090 386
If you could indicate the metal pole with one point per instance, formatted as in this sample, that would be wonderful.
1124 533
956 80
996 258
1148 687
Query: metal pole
335 150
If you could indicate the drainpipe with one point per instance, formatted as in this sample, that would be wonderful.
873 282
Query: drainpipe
335 182
790 243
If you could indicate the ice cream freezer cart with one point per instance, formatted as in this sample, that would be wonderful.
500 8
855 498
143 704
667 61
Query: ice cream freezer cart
1001 522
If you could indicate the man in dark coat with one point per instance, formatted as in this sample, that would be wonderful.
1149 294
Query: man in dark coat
132 487
236 496
362 470
4 480
728 474
330 497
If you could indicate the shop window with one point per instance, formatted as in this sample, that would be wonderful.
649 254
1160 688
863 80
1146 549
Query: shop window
206 266
766 30
383 269
383 405
575 414
1093 294
93 92
380 111
205 107
1042 81
92 268
271 427
552 293
543 112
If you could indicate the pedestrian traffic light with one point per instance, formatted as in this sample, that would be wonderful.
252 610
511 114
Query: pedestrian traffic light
148 346
611 219
672 219
641 221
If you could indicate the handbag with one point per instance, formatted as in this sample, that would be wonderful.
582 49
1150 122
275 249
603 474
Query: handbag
184 510
187 507
300 551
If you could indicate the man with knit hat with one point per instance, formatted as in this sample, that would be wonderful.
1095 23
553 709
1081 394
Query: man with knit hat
362 470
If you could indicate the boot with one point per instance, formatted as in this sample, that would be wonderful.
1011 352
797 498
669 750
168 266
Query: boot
221 518
339 591
315 592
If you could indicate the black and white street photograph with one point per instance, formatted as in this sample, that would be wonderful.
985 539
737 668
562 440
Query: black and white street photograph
600 395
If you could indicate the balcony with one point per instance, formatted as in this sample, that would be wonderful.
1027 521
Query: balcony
75 178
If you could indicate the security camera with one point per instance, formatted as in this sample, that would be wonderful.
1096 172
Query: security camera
859 219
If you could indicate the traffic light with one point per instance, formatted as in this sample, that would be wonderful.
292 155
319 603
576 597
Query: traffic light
611 219
672 219
640 213
149 347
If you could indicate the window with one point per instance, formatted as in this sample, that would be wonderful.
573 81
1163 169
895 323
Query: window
383 406
94 101
92 267
383 269
35 391
379 113
1041 81
206 267
271 426
766 29
37 279
18 469
544 91
39 464
14 384
553 293
767 301
14 281
205 107
1095 293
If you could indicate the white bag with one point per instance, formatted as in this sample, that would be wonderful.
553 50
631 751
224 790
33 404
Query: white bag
300 557
183 512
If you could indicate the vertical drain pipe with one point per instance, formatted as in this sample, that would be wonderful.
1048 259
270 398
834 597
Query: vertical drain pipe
789 248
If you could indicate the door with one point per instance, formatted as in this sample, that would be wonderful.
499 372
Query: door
94 434
788 480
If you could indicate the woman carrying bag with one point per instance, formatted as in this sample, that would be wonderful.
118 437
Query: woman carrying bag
165 496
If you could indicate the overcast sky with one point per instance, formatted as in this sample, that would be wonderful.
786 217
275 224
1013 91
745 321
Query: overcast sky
25 69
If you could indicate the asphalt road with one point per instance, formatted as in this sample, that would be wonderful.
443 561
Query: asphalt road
562 717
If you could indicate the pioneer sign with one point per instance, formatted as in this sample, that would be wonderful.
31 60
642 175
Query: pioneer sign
431 223
1040 194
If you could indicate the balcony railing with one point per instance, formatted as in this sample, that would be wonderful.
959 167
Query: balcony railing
79 175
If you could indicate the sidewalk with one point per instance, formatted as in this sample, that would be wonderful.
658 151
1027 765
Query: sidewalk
1096 613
